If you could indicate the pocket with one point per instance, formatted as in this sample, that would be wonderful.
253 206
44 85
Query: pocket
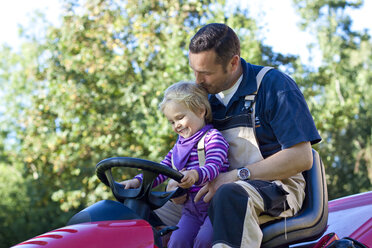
273 195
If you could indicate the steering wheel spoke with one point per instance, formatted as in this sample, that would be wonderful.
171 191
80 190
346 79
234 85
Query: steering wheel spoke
158 199
144 193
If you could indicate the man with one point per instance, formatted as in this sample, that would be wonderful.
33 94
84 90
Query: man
270 131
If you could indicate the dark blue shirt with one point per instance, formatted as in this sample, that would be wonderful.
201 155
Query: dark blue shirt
283 118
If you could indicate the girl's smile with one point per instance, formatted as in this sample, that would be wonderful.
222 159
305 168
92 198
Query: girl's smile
184 121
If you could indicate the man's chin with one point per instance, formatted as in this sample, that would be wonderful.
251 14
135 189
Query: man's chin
207 88
212 90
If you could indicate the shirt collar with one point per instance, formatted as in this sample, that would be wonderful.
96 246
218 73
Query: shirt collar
226 95
247 86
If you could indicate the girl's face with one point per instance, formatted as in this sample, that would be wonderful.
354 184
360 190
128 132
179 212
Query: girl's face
184 121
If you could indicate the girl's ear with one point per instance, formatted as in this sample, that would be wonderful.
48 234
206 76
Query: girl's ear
202 112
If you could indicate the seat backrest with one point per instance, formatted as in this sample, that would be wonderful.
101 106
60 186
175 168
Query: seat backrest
311 221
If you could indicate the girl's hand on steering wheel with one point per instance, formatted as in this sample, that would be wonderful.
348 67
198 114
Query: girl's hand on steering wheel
190 177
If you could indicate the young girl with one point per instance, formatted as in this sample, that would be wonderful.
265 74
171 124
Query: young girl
186 106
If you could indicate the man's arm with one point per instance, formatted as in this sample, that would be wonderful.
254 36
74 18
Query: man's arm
281 165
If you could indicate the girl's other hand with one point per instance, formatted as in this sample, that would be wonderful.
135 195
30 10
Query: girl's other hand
131 183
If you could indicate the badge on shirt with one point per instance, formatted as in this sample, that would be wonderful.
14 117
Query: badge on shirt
257 122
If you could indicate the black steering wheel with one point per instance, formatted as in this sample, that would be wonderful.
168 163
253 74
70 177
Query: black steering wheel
143 194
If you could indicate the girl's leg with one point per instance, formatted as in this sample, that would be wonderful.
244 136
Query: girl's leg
185 235
205 235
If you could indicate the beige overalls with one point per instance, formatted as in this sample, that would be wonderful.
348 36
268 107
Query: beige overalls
244 150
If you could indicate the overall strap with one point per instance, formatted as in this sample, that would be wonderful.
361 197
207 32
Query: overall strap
173 166
250 100
260 76
201 152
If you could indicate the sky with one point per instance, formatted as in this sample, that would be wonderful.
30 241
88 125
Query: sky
278 19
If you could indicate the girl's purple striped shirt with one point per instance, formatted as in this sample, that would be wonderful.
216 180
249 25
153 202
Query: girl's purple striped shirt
215 148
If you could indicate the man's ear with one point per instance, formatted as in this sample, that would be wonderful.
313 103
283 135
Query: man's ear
235 62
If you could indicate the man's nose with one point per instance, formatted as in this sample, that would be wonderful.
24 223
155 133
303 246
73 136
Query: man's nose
199 78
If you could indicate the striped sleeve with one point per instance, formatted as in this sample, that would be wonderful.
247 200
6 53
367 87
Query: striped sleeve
216 148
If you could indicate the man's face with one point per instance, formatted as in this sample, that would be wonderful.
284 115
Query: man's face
209 74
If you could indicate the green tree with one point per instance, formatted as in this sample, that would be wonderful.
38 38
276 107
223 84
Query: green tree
90 88
343 94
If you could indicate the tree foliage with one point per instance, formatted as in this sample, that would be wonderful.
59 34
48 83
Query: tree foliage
89 89
343 98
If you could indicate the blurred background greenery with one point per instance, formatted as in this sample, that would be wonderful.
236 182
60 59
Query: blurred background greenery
88 89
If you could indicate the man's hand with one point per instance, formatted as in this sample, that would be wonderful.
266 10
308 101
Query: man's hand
173 185
190 177
211 187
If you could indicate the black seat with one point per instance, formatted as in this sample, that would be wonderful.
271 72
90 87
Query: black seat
311 221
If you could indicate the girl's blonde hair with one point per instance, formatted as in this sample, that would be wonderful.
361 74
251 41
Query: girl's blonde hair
192 95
